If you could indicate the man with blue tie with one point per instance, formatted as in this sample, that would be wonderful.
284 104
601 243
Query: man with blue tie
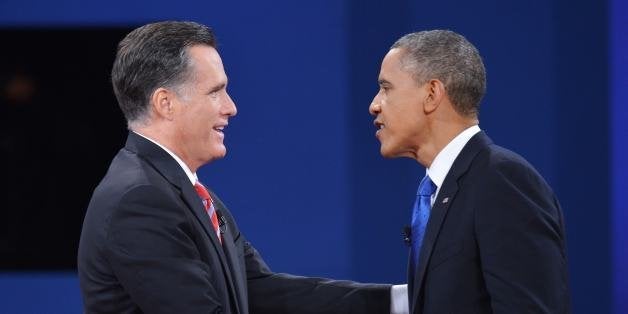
487 231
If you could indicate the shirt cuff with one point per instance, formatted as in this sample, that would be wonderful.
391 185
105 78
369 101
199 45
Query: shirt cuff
399 299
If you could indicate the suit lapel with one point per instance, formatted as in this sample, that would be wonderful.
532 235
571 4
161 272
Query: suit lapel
437 216
445 197
195 204
163 163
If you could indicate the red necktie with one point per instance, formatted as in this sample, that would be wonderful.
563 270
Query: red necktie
209 207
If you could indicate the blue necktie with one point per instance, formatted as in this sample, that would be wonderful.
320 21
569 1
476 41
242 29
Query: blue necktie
420 216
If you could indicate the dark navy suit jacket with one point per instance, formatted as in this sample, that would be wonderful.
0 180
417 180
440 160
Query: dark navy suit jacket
495 240
147 246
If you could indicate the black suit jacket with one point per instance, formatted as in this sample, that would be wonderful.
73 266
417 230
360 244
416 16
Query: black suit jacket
147 246
495 241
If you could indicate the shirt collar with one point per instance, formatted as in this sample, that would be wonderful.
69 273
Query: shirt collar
191 175
446 157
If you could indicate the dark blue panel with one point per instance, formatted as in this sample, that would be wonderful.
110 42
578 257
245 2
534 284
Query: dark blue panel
619 114
583 147
34 293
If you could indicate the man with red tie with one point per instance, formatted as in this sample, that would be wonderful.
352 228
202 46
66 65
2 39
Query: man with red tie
155 239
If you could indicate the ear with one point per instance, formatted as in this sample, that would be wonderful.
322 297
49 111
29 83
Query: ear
162 103
435 93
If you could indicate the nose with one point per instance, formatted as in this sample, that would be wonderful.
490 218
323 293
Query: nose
230 107
375 107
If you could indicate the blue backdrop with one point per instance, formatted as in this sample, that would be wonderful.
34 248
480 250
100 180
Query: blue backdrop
303 175
619 113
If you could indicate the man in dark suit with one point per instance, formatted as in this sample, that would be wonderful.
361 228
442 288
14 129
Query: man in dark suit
487 231
154 239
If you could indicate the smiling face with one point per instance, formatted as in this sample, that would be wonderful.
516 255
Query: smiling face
202 110
398 109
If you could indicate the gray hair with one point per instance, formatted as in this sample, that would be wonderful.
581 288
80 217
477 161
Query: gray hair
450 58
153 56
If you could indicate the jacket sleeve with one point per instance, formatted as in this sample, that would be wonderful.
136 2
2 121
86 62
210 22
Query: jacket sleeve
283 293
520 235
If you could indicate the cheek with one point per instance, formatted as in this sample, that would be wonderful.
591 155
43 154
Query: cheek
403 123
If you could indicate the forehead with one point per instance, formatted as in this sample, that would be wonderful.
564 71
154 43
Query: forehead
392 66
206 63
393 59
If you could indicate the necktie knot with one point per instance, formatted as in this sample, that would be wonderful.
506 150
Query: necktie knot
201 191
427 187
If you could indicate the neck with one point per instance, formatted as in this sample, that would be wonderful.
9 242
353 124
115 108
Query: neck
160 136
440 134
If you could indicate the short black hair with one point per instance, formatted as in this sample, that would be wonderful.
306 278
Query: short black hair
153 56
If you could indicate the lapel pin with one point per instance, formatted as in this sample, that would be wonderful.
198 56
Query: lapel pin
445 200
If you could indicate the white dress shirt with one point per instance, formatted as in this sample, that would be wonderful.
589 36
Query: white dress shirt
446 157
399 299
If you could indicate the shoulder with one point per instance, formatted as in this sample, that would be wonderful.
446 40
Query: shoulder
130 174
498 163
131 189
504 179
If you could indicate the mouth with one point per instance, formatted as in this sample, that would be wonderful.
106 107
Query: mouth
220 128
378 125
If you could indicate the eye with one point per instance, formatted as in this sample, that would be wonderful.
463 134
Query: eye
216 91
214 94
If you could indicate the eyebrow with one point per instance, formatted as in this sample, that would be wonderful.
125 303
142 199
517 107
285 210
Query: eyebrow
217 88
383 82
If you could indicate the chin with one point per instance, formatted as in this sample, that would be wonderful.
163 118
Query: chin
217 153
390 151
220 153
386 153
